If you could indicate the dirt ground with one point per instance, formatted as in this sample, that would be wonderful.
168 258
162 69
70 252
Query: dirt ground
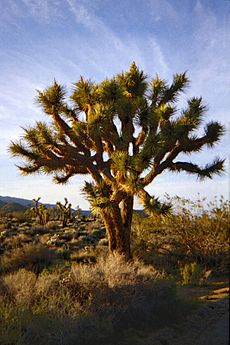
209 325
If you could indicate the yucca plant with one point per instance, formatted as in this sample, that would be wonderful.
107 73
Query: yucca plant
64 212
124 132
40 212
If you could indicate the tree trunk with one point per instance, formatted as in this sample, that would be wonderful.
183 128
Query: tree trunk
107 219
118 222
127 215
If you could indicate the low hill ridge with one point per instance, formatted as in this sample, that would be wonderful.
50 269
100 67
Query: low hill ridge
25 203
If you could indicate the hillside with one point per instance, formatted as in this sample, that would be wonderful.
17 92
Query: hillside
21 201
12 207
2 203
11 204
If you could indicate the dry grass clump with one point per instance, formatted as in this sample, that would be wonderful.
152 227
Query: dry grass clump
114 271
47 283
20 286
34 257
39 229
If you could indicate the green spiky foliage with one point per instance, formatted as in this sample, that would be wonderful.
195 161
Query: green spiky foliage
124 132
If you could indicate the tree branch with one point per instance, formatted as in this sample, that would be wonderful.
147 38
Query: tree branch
210 169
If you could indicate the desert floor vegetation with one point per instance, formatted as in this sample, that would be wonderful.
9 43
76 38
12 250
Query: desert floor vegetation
59 285
189 243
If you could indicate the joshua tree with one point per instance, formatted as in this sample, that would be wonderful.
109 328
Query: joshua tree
124 132
65 212
41 212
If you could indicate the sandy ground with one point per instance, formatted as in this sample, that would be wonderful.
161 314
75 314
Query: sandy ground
209 325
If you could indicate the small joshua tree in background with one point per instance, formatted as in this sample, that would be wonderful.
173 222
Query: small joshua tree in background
40 212
78 211
124 132
65 213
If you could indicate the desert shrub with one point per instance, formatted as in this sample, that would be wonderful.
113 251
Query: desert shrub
39 230
113 271
63 253
47 283
21 216
84 258
20 286
191 234
11 243
53 225
3 289
34 257
108 284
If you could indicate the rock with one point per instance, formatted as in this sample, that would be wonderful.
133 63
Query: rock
54 242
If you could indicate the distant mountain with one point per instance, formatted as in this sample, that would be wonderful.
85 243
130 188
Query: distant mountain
26 203
10 199
12 207
2 203
86 212
8 204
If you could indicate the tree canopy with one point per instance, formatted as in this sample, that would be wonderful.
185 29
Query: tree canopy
124 132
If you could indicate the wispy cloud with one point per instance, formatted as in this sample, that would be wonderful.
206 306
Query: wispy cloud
159 58
83 15
104 49
39 8
110 48
162 9
210 69
43 11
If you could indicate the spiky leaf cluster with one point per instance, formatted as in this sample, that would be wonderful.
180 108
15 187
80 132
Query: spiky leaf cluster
98 196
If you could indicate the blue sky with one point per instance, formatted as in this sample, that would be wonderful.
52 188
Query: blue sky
45 39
